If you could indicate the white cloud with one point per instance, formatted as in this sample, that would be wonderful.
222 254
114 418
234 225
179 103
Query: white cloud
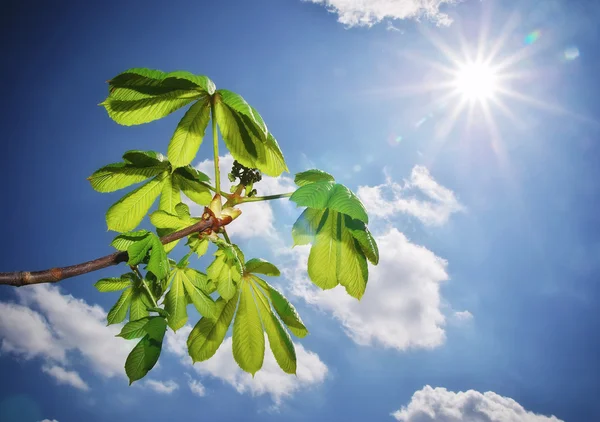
80 327
440 405
260 214
195 386
62 376
438 204
48 420
369 12
162 387
51 326
401 306
26 333
463 316
269 380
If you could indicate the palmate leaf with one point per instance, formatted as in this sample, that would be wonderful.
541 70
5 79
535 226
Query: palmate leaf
186 284
134 300
189 133
129 211
139 95
246 136
170 195
112 284
150 244
208 334
331 195
190 182
286 311
136 167
145 354
279 340
248 337
335 224
260 266
311 176
225 271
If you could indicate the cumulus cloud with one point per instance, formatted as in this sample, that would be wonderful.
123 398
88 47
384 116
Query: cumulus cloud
259 213
161 387
62 376
48 420
421 196
195 386
49 325
463 316
440 405
368 13
269 380
80 327
26 333
401 306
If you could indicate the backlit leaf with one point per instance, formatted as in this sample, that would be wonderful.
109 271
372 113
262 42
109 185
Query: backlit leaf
119 310
208 334
248 337
260 266
311 176
189 133
130 210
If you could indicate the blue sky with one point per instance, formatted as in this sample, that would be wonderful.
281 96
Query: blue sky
483 307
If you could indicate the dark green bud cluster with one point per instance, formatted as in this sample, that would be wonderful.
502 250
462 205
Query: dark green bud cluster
247 177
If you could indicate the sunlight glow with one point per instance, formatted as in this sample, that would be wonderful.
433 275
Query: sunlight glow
476 81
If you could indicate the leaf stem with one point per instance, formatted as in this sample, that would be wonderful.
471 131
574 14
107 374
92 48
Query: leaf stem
226 236
266 198
143 280
215 146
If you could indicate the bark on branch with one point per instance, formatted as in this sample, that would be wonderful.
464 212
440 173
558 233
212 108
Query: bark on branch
25 278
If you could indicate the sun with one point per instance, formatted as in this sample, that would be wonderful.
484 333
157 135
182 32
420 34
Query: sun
476 81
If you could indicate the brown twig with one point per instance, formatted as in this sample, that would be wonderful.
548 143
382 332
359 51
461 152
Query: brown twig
25 278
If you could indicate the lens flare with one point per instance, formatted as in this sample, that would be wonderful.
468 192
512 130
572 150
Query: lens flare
533 37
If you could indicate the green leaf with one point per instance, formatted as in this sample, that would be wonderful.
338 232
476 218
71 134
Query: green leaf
169 196
138 250
198 244
112 284
139 96
336 258
189 134
175 302
200 281
365 240
248 337
260 266
225 271
145 158
192 188
119 310
145 354
279 340
246 135
193 174
117 176
140 302
123 241
129 211
330 195
203 303
158 263
159 311
134 329
284 309
311 176
208 334
305 227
